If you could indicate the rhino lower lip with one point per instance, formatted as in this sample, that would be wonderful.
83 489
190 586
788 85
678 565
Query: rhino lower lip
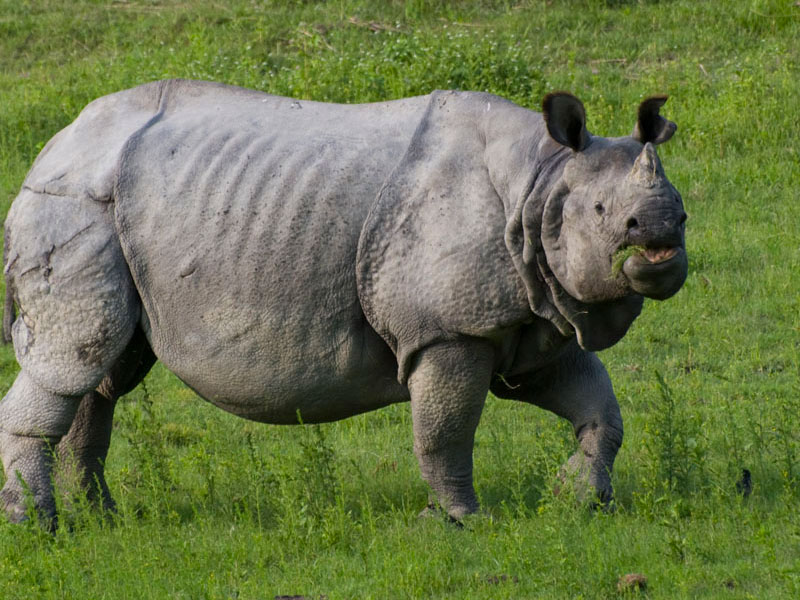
657 272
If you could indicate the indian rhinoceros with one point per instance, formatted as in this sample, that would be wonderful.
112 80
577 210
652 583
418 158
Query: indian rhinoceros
300 260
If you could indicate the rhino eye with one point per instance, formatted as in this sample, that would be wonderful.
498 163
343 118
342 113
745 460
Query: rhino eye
599 208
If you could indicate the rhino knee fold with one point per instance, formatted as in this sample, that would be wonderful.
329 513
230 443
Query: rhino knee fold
30 410
600 442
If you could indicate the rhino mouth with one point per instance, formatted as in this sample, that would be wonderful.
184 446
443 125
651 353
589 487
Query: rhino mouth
657 272
658 255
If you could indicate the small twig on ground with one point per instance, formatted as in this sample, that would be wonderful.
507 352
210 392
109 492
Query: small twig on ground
371 25
307 33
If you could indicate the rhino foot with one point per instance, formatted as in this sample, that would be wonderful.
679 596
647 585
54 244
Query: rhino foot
20 507
589 484
14 506
434 510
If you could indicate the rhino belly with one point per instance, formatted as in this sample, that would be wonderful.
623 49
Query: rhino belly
242 246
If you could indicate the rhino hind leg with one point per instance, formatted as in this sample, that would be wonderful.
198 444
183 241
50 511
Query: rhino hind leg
78 310
82 451
39 427
33 420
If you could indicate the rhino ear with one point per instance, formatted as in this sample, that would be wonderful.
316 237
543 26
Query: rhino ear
566 120
651 126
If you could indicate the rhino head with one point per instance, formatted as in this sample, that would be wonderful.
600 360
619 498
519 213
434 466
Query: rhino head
614 225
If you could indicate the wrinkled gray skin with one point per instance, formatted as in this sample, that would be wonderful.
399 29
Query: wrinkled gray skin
286 256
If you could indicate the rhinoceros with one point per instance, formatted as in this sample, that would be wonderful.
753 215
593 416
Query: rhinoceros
294 260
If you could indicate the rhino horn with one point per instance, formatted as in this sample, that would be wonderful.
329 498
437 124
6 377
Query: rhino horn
647 170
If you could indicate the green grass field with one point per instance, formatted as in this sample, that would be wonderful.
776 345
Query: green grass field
212 506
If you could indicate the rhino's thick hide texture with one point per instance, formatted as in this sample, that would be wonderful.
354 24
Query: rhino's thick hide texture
293 259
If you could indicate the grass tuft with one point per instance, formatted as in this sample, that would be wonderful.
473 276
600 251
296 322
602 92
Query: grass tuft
621 255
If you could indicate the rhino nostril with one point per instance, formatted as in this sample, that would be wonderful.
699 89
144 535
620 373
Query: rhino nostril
632 223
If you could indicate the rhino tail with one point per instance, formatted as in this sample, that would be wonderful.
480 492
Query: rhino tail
9 312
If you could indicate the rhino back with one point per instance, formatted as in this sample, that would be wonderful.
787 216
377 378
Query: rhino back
239 215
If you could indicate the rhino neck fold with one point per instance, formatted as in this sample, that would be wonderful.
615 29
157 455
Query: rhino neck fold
536 176
518 153
532 177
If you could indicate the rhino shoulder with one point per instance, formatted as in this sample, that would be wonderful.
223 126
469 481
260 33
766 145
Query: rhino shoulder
432 263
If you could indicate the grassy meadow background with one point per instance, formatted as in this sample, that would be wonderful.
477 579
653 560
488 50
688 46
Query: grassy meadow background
212 506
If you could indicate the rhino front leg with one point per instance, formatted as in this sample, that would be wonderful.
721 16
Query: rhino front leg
33 421
448 388
577 388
